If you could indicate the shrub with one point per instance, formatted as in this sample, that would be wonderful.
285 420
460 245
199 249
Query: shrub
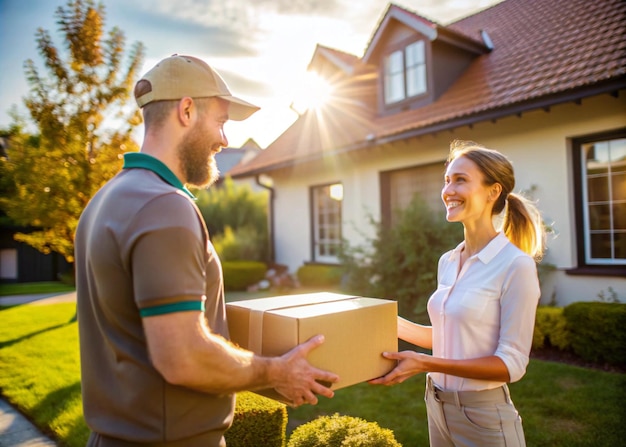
597 331
236 206
318 275
244 244
257 421
401 262
239 275
551 329
342 431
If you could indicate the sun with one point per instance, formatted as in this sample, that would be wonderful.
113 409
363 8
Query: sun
312 92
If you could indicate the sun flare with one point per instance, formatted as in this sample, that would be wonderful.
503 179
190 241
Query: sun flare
312 92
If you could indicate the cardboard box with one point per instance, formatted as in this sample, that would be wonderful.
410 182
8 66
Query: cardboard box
356 329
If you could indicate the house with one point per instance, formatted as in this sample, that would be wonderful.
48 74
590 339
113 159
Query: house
542 81
20 262
229 157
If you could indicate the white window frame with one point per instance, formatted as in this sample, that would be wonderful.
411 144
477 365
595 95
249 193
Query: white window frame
614 163
405 73
327 222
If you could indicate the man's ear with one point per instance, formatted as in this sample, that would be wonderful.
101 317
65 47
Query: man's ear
185 110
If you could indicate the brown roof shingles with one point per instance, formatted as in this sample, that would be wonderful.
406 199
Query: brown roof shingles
545 52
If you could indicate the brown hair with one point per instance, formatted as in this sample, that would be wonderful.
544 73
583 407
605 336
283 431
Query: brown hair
155 113
522 222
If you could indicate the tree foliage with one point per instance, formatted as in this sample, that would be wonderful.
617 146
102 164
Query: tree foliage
83 126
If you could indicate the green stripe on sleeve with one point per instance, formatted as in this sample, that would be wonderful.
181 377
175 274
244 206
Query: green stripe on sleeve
171 308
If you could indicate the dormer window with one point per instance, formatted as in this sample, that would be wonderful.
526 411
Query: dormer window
405 73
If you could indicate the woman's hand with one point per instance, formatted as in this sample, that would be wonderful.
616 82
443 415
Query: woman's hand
409 364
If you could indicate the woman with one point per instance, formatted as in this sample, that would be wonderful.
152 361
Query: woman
483 310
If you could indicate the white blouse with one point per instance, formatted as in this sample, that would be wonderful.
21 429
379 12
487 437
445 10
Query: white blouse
487 308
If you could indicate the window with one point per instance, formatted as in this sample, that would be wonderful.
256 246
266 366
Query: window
394 77
327 222
399 187
602 199
405 73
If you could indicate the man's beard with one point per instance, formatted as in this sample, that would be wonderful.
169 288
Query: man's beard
196 159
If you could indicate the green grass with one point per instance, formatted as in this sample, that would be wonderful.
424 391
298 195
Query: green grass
34 287
39 368
561 405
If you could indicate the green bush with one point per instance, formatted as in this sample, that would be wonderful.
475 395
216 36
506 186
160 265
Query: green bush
597 331
401 262
551 329
244 244
239 275
342 431
237 207
319 275
258 421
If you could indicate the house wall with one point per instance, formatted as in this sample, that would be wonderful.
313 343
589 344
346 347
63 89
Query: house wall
20 262
538 145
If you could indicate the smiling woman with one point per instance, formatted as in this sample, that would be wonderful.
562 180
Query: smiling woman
312 92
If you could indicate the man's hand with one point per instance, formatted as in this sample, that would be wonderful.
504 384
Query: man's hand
297 380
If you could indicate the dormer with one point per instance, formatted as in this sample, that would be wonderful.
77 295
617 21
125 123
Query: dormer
417 60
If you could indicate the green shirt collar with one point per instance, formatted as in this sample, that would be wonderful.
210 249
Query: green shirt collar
145 161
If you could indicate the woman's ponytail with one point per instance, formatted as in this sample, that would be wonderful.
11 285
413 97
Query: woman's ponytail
523 225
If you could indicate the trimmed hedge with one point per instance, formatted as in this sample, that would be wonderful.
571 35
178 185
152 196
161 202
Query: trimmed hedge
342 431
597 331
319 275
257 421
239 275
551 329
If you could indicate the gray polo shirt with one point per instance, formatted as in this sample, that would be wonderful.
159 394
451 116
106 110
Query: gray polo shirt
142 249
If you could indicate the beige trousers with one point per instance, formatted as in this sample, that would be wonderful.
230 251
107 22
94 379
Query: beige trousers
472 418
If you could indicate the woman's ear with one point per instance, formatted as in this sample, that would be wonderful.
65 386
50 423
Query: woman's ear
496 190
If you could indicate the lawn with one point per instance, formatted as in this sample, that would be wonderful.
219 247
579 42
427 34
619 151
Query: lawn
561 405
34 287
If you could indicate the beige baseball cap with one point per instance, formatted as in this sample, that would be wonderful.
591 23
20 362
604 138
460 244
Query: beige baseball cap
179 76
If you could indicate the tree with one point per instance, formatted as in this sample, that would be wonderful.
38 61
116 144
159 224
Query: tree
84 125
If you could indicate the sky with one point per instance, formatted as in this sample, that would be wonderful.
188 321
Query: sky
260 47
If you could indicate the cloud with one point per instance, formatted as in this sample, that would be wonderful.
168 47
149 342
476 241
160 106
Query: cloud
235 16
301 7
218 32
176 33
233 27
243 85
